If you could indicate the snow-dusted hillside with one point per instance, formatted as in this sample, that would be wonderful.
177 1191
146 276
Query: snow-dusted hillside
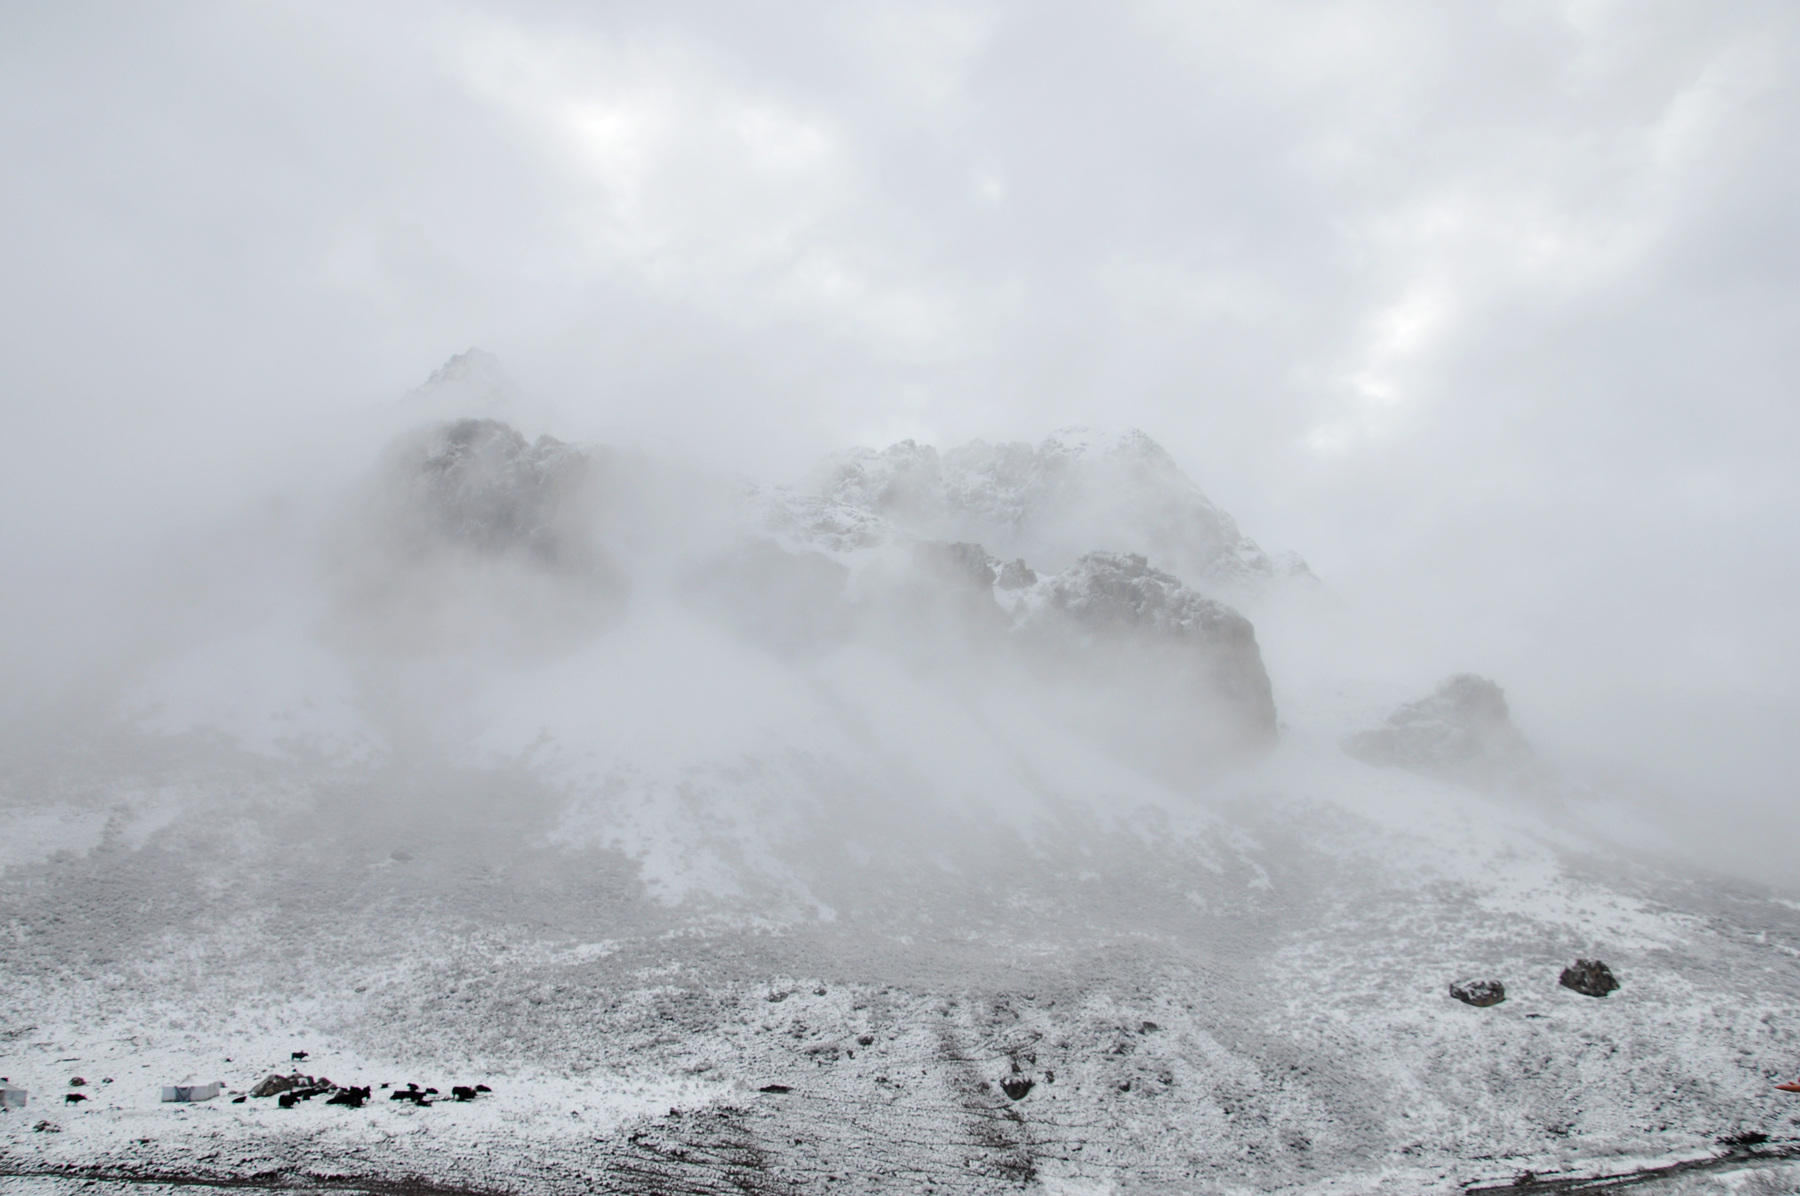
938 828
1080 490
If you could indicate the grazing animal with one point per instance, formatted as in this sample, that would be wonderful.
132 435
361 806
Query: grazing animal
298 1055
482 1088
354 1097
73 1098
462 1093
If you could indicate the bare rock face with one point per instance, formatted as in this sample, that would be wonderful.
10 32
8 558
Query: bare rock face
1589 977
1462 732
1479 993
469 533
1186 673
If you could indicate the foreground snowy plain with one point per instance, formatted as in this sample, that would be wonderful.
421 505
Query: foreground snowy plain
712 908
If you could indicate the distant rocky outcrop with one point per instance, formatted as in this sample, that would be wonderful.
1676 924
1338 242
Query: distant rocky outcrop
1462 732
468 533
1589 977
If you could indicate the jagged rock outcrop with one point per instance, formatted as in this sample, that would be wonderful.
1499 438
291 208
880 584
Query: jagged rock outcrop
469 533
1462 732
1077 491
1186 676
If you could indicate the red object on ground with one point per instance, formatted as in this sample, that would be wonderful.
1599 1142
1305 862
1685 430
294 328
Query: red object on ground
1794 1087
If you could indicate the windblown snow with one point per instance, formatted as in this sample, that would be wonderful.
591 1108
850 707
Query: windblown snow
932 824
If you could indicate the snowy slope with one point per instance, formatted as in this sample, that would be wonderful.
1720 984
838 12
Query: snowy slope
745 839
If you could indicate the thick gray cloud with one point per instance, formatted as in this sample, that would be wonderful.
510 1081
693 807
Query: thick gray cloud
1489 311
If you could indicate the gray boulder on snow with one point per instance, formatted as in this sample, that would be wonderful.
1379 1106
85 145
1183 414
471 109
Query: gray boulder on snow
1479 993
1589 977
1462 732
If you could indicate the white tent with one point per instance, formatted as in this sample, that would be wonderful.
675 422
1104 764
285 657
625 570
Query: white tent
187 1092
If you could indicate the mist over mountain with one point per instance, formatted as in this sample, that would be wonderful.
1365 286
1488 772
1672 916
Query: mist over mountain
939 811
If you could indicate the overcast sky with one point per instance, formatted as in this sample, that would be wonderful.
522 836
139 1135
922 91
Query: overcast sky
1488 310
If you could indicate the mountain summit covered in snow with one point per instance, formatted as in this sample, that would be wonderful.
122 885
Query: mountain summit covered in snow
1079 490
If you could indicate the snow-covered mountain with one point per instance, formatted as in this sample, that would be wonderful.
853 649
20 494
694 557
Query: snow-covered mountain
1080 490
938 826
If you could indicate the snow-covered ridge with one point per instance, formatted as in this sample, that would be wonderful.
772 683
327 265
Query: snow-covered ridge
1079 490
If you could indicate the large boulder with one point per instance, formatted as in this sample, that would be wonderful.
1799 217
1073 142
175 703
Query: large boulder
1589 977
1479 993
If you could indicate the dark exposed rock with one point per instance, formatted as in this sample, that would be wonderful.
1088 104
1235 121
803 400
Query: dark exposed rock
1480 993
1753 1138
777 1089
1189 667
1016 1087
466 519
1589 977
1462 732
1016 575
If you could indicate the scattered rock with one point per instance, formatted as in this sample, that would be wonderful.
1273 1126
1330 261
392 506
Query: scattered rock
77 1082
1480 993
1589 977
777 1089
47 1127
